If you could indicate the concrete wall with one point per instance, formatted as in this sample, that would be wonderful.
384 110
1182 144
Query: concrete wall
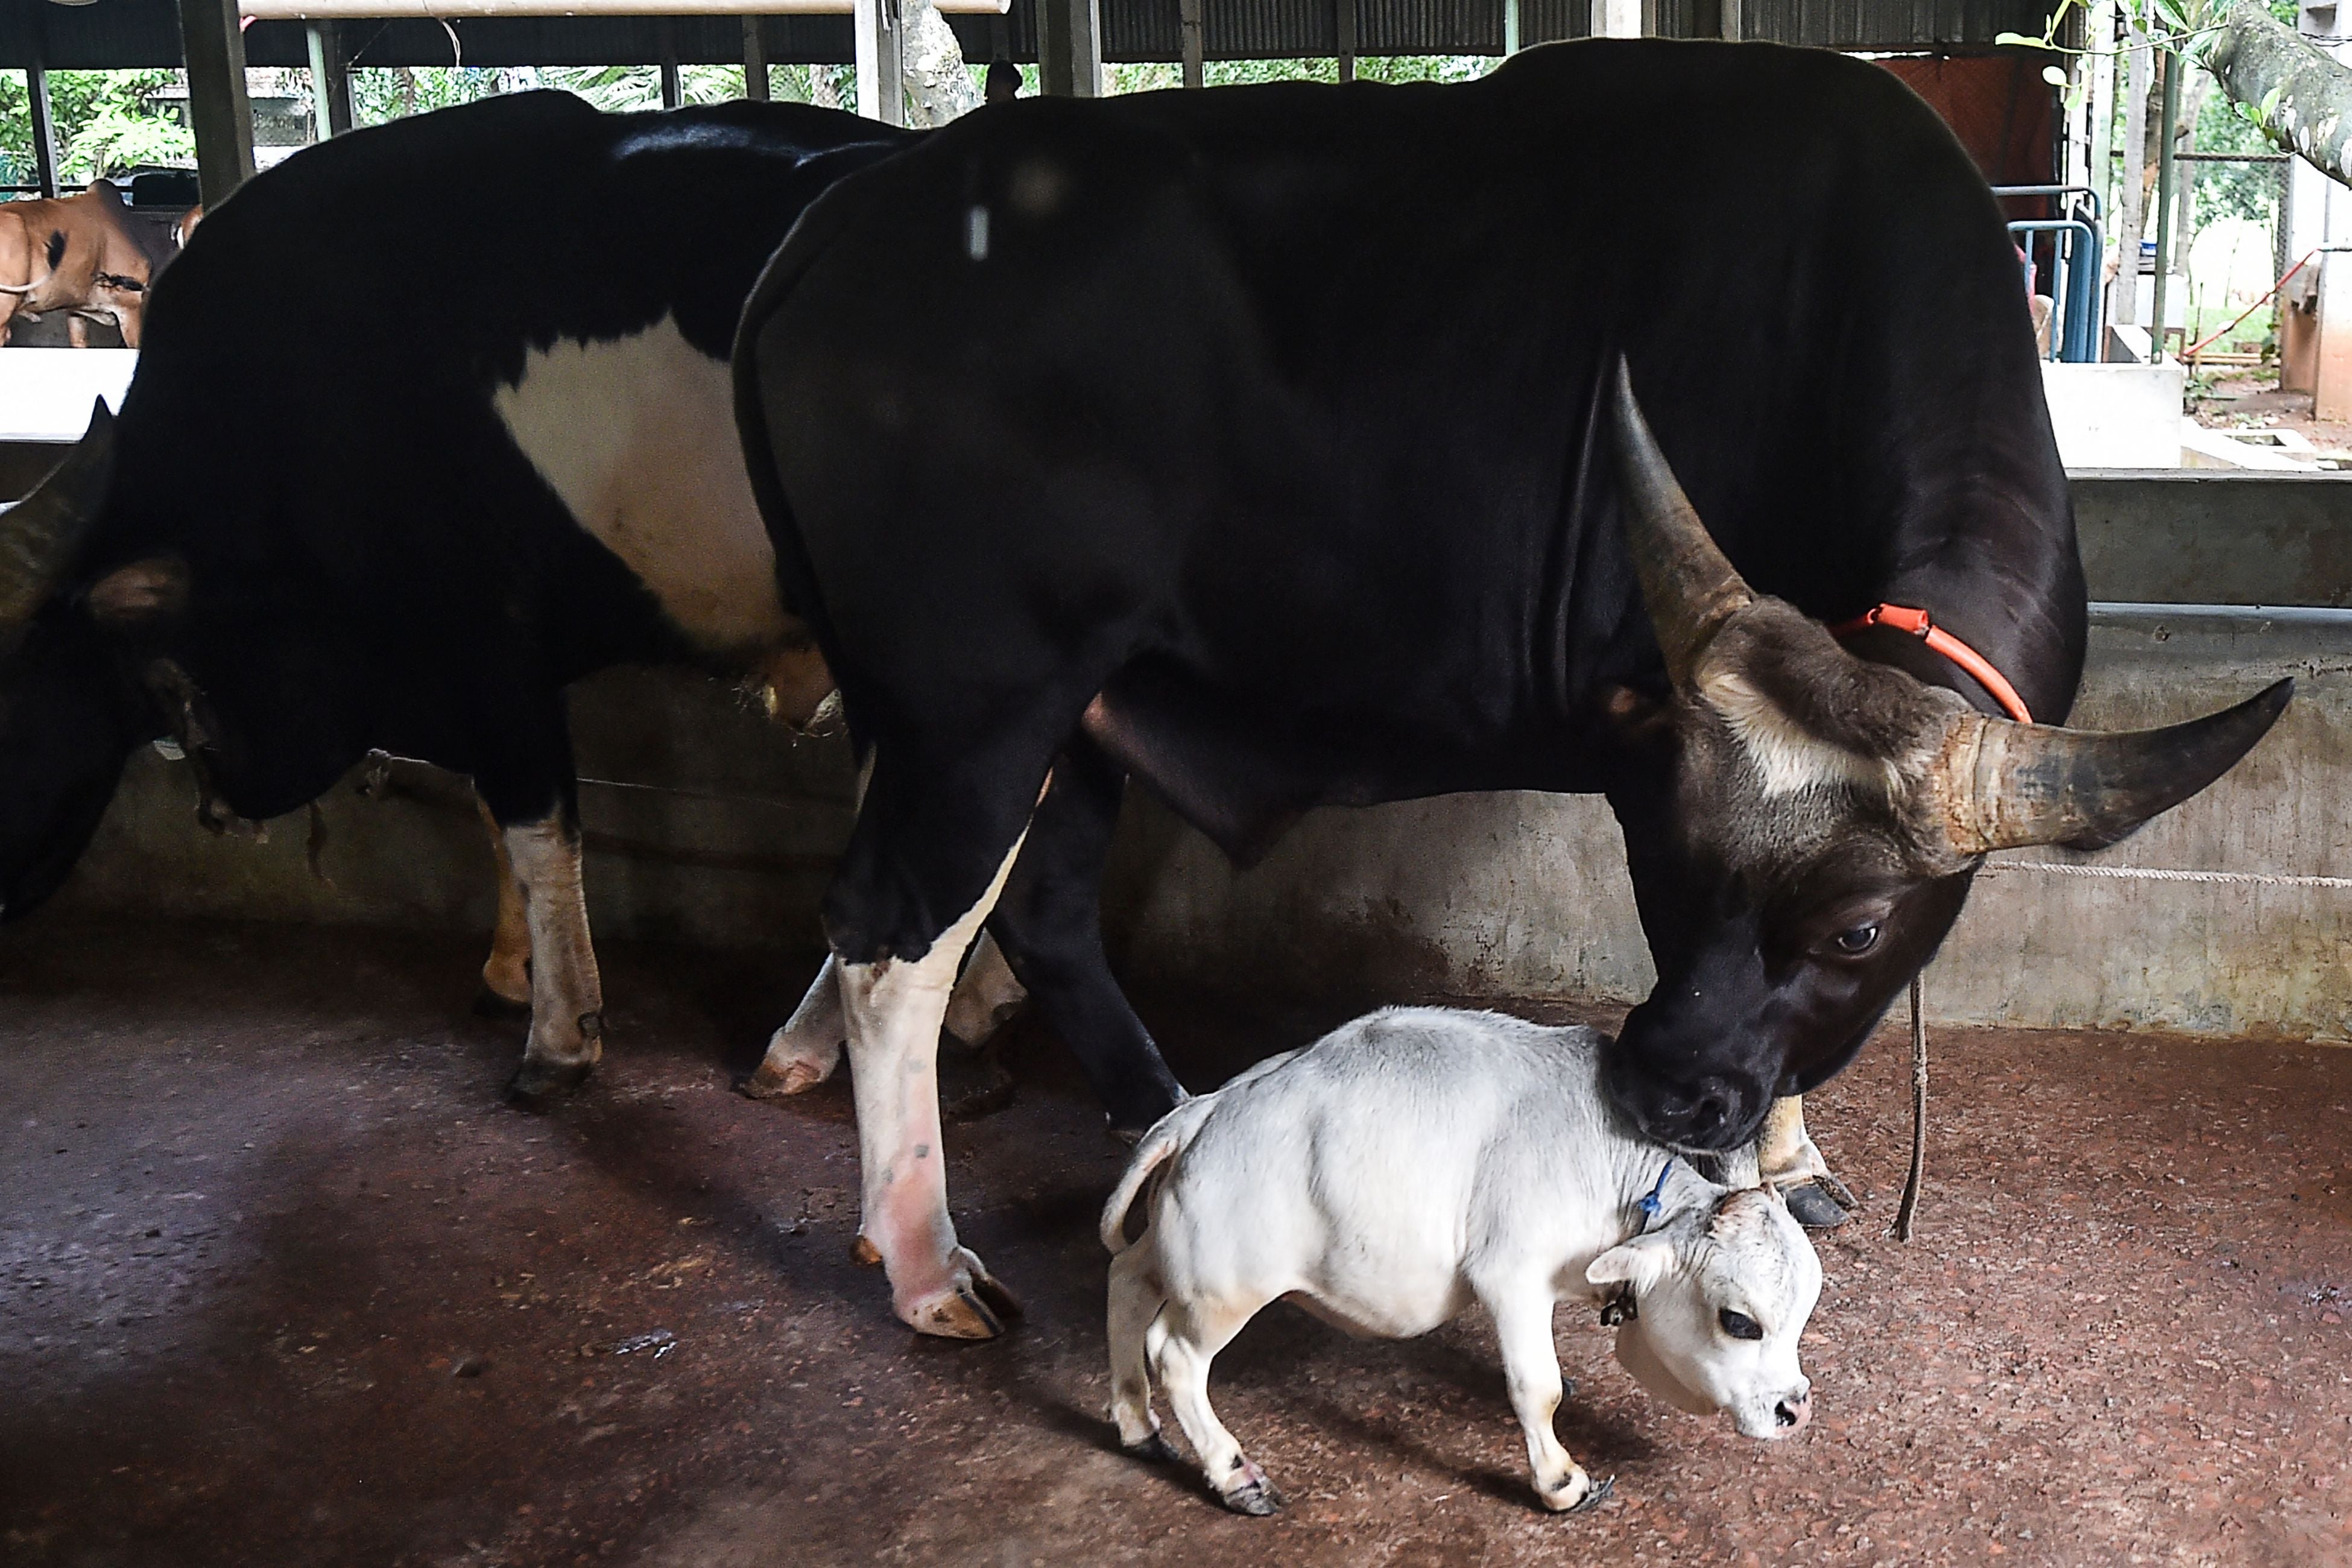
1497 895
1488 895
2174 536
731 849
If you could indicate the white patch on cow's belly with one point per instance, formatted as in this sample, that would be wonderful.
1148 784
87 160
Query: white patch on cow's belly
637 436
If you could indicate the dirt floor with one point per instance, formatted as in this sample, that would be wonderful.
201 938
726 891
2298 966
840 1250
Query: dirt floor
281 1282
2250 399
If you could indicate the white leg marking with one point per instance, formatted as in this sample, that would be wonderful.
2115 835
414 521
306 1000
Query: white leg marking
985 997
804 1052
1785 1153
895 1008
507 971
1531 1368
567 999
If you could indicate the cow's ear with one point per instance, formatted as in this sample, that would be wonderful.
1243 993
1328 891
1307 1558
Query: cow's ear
140 596
1639 720
1640 1263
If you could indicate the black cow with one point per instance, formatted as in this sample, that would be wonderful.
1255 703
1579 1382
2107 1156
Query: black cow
1259 443
431 421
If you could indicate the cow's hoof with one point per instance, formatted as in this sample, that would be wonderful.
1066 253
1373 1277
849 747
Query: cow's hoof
972 1084
489 1003
1155 1449
536 1084
795 1077
1812 1206
974 1308
1250 1492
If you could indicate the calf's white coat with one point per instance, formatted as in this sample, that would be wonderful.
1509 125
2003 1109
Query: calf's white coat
1415 1160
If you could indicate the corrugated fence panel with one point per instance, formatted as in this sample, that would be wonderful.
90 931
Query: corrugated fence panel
1891 24
1428 28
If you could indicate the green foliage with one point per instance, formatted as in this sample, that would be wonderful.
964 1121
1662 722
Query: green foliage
2233 190
101 124
379 95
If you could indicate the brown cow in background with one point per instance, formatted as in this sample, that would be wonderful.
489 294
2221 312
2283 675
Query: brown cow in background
76 254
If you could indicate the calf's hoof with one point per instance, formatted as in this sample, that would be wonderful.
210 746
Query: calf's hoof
1812 1206
971 1306
490 1003
1578 1494
1248 1491
972 1083
540 1083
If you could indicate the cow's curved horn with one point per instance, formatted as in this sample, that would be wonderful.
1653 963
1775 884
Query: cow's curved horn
2008 786
39 535
1688 582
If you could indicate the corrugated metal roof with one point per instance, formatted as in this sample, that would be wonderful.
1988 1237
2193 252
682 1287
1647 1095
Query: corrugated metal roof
122 34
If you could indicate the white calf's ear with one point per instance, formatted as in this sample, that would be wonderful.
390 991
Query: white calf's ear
1640 1263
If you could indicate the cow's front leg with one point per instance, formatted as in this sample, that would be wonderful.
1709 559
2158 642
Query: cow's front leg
506 974
1522 1313
567 998
1786 1158
893 1009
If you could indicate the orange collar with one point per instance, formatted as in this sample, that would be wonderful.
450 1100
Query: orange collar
1920 624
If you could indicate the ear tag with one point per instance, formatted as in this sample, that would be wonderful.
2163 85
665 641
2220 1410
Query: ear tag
1655 1200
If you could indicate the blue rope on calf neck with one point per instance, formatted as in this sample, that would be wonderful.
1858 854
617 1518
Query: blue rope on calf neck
1651 1205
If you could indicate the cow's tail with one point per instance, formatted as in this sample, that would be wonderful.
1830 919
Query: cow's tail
1162 1143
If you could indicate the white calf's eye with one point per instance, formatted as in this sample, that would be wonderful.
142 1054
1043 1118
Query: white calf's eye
1740 1325
1858 941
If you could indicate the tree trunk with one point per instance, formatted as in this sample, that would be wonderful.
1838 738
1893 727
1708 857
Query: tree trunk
939 86
2303 96
2132 205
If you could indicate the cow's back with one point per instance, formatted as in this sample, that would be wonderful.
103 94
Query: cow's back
1295 357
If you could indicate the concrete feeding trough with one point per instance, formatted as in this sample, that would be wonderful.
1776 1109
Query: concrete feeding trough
2115 415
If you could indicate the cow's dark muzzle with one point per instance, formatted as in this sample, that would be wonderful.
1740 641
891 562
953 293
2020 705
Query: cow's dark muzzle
1705 1115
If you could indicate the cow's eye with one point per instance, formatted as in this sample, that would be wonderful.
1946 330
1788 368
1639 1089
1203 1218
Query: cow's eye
1857 939
1740 1325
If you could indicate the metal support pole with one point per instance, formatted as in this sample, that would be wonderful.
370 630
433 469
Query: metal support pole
755 62
673 88
218 110
2164 179
45 135
1346 34
1730 29
331 78
1514 26
881 65
1069 47
1188 21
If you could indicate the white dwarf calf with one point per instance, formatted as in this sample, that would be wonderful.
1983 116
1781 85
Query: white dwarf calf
1418 1160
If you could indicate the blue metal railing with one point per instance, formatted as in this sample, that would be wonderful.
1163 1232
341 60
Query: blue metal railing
2076 253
